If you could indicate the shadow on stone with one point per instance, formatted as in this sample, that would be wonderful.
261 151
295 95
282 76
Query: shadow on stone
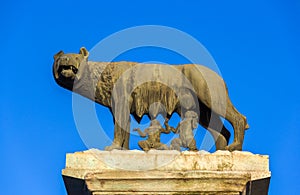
75 186
258 187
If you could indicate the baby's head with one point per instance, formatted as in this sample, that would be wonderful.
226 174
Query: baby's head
190 114
155 123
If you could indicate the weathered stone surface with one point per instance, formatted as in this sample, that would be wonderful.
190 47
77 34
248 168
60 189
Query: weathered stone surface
167 172
167 181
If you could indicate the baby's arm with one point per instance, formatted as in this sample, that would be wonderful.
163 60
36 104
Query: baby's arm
169 128
142 134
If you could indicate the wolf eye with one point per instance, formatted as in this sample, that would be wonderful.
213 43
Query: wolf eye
74 69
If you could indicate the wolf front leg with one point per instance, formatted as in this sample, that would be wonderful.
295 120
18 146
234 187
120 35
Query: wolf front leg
121 137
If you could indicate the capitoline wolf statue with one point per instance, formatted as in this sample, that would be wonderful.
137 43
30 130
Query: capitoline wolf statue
131 88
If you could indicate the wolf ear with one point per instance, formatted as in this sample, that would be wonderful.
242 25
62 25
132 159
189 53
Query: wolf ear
55 64
84 52
58 54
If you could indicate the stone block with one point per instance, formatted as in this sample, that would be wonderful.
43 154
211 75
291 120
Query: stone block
98 172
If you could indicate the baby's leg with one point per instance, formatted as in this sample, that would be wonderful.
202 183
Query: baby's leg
176 144
192 145
161 146
144 145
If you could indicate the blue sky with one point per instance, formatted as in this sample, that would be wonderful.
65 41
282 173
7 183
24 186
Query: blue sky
256 45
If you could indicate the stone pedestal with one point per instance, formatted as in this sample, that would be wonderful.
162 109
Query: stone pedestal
95 172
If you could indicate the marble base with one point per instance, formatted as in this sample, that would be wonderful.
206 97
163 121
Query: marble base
96 172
